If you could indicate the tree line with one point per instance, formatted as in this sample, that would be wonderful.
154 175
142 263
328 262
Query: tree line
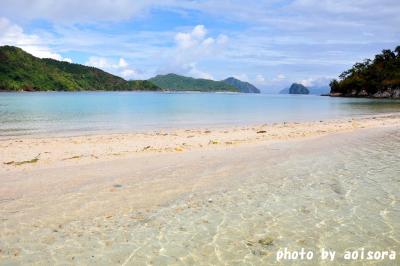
370 76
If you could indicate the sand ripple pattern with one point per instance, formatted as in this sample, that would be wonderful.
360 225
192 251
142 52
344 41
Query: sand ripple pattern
336 193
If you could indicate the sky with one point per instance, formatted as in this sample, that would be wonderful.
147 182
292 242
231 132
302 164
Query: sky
268 43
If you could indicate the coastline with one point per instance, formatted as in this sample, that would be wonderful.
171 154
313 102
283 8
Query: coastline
117 208
23 153
360 97
392 94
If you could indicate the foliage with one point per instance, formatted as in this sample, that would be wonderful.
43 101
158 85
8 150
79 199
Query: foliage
371 76
180 83
22 71
244 87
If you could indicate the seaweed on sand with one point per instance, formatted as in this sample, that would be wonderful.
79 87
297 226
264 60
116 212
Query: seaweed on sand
34 160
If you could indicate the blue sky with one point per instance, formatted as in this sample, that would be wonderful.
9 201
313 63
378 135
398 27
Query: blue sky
268 43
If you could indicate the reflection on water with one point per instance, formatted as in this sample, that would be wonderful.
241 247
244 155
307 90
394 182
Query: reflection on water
68 113
373 105
337 193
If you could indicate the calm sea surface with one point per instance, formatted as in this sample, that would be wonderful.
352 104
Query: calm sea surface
71 113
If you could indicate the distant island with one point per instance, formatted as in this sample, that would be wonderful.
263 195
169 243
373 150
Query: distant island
377 78
295 88
314 90
21 71
174 82
244 87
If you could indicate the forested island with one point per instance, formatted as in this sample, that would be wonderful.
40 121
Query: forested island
377 78
174 82
21 71
244 87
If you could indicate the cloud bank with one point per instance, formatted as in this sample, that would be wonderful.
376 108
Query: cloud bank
12 34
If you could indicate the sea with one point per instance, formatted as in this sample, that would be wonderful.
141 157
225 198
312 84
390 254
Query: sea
339 193
72 113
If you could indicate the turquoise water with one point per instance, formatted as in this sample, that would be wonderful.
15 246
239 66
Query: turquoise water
71 113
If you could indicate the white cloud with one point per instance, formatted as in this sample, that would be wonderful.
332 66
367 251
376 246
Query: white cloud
208 42
129 73
119 68
78 11
222 39
191 48
307 82
12 34
316 81
193 71
260 12
196 39
199 32
184 40
99 62
103 62
194 44
122 63
280 77
260 79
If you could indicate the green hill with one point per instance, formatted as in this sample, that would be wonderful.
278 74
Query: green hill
243 86
377 78
175 82
20 70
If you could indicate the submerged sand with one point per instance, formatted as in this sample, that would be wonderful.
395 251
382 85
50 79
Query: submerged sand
198 196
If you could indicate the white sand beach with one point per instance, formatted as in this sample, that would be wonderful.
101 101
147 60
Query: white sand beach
204 196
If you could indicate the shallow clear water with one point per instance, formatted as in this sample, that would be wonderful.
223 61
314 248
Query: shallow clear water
342 195
340 192
70 113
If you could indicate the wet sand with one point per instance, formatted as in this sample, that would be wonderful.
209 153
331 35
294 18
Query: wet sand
221 196
43 152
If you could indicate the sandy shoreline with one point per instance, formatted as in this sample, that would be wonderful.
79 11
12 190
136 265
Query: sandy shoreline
111 199
27 153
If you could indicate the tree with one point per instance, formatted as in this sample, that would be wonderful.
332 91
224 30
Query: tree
381 73
397 50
